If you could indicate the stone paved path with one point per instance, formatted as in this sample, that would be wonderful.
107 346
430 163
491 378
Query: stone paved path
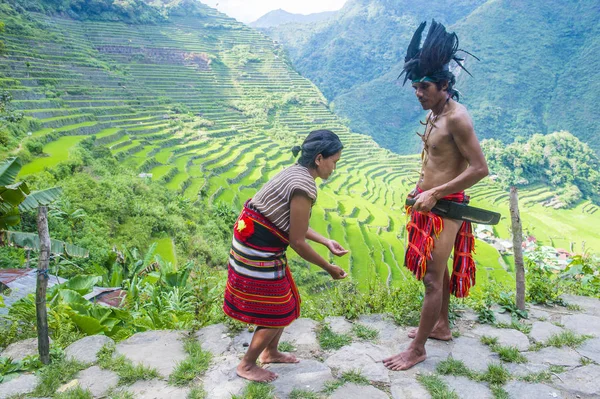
574 371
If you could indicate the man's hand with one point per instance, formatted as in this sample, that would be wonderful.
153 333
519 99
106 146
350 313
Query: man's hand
336 272
335 248
425 201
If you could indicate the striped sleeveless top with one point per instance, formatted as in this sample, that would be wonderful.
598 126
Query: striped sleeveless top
273 199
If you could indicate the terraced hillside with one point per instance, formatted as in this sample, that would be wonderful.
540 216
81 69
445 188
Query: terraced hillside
211 107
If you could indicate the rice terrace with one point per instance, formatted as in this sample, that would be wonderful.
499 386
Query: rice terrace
197 111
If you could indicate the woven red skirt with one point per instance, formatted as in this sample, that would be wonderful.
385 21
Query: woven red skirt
260 287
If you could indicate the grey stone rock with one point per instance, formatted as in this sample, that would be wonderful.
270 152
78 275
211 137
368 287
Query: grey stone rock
542 330
309 375
538 313
155 389
241 341
19 350
302 334
523 369
339 324
467 389
473 353
86 349
404 387
354 391
161 350
390 335
468 315
555 356
221 380
362 356
20 385
523 390
580 381
589 305
506 336
582 324
214 339
97 380
590 349
436 352
504 318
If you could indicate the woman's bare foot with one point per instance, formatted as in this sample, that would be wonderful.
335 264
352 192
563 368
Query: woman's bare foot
405 360
254 373
439 332
277 357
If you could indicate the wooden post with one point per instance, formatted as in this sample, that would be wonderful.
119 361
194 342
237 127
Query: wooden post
42 285
517 233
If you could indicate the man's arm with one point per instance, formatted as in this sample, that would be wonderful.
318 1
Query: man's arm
316 237
461 129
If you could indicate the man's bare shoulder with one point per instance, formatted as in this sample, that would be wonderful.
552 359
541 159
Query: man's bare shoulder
459 120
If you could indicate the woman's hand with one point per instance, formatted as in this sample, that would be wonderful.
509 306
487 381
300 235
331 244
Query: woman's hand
335 248
336 272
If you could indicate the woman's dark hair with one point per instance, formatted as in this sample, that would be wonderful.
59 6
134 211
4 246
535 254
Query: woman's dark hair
323 142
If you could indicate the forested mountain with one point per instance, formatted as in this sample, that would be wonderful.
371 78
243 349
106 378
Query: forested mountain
535 75
280 17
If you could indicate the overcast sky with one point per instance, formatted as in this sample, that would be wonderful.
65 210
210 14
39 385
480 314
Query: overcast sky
251 10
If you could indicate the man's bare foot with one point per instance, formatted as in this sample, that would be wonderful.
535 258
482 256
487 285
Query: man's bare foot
439 333
277 357
254 373
405 360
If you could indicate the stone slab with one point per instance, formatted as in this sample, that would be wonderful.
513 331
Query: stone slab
523 390
214 339
156 389
362 356
473 353
566 357
589 305
354 391
20 385
542 330
301 333
580 381
339 324
308 375
582 324
86 349
97 380
506 336
404 387
590 349
221 380
162 350
17 351
467 389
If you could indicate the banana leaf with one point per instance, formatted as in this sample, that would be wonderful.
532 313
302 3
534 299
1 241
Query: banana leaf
32 241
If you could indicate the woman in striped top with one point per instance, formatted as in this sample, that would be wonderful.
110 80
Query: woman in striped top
260 288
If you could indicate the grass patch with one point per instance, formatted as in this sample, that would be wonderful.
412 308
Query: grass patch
436 387
302 394
195 364
351 376
127 372
455 334
256 390
330 340
197 393
516 325
364 332
453 367
114 394
496 374
584 361
489 341
56 374
286 346
542 376
499 392
566 338
509 354
75 393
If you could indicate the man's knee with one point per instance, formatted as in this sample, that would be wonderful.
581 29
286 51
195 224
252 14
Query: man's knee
433 281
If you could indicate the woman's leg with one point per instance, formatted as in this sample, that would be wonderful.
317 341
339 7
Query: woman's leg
271 353
247 368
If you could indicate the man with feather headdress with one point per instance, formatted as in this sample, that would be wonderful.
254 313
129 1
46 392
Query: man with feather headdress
452 161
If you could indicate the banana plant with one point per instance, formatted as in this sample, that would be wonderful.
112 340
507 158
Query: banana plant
16 197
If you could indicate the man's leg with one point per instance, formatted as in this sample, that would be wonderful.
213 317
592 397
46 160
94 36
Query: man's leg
260 340
437 268
441 330
271 353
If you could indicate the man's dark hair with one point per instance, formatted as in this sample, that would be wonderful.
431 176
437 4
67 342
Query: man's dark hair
323 142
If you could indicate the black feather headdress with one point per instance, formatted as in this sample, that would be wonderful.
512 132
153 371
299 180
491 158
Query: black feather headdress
431 62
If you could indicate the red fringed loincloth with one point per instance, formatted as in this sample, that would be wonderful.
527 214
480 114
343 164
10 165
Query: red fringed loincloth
421 228
260 287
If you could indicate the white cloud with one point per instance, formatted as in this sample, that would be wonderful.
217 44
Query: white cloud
251 10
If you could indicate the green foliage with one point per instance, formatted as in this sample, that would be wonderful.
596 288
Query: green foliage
509 354
541 278
452 366
364 332
75 393
303 394
567 338
350 376
197 393
496 374
128 373
436 387
330 340
52 376
286 346
256 390
193 366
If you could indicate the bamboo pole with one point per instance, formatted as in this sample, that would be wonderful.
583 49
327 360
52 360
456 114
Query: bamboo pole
517 233
42 285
